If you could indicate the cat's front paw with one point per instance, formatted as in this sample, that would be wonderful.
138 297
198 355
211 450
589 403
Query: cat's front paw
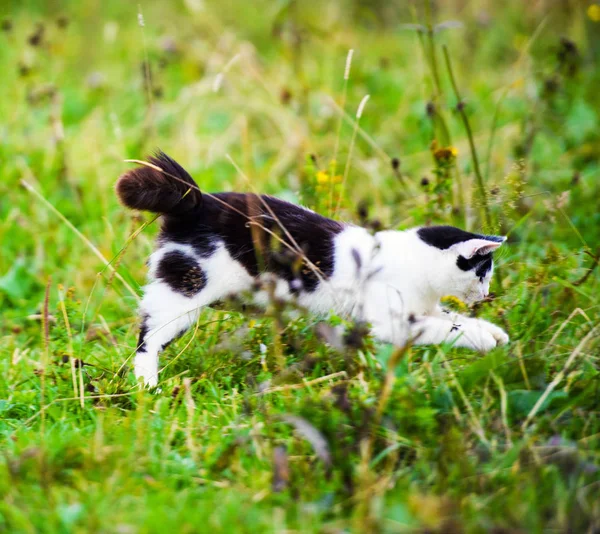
501 336
498 334
478 338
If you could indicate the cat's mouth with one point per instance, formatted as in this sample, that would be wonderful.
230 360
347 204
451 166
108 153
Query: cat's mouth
472 298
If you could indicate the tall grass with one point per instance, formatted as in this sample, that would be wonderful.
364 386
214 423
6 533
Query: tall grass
284 421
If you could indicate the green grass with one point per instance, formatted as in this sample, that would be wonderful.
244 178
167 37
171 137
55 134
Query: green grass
432 439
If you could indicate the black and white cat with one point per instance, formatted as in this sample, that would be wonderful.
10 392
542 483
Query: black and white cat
212 246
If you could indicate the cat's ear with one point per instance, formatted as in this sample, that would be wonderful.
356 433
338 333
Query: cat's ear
469 248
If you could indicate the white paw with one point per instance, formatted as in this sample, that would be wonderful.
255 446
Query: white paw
150 378
499 335
480 339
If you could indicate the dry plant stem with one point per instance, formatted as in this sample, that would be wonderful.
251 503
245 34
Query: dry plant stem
59 136
90 245
430 52
503 406
576 311
596 260
558 378
45 352
359 113
70 348
340 122
367 476
277 327
522 366
147 76
305 383
460 107
488 164
518 63
182 351
385 157
66 399
475 422
190 406
342 105
384 396
429 49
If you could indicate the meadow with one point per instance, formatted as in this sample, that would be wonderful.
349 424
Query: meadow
480 114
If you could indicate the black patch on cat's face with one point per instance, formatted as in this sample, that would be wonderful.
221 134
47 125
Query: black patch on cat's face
181 272
481 264
227 217
443 237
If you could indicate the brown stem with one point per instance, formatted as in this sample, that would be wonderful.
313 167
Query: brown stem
461 109
584 278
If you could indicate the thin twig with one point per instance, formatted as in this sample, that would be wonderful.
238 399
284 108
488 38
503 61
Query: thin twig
301 385
558 378
359 113
460 106
70 346
596 260
46 351
90 245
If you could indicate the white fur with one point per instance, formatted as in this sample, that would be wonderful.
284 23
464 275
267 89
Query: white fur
170 313
392 280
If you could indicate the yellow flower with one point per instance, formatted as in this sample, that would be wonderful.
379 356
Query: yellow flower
445 154
322 177
336 179
593 12
455 301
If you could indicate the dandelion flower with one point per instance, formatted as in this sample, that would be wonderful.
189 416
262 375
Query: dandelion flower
454 301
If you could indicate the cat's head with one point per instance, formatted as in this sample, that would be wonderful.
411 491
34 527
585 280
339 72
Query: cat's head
465 265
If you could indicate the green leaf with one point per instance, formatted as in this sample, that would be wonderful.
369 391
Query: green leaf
16 284
522 401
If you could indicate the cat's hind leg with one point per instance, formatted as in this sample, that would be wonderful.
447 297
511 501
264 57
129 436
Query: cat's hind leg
165 316
183 284
171 304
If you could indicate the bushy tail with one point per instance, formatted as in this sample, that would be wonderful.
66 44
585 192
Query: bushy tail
162 187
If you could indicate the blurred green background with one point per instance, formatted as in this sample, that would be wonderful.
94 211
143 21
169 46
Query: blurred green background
253 96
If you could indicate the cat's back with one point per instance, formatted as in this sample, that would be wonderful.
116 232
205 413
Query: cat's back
262 232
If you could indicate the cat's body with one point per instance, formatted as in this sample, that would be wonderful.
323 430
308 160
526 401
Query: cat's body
215 246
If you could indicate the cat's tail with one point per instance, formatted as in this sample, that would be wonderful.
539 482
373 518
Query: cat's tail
161 186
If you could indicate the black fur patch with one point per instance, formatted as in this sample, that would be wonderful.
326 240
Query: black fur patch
141 346
182 273
443 237
254 237
481 264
